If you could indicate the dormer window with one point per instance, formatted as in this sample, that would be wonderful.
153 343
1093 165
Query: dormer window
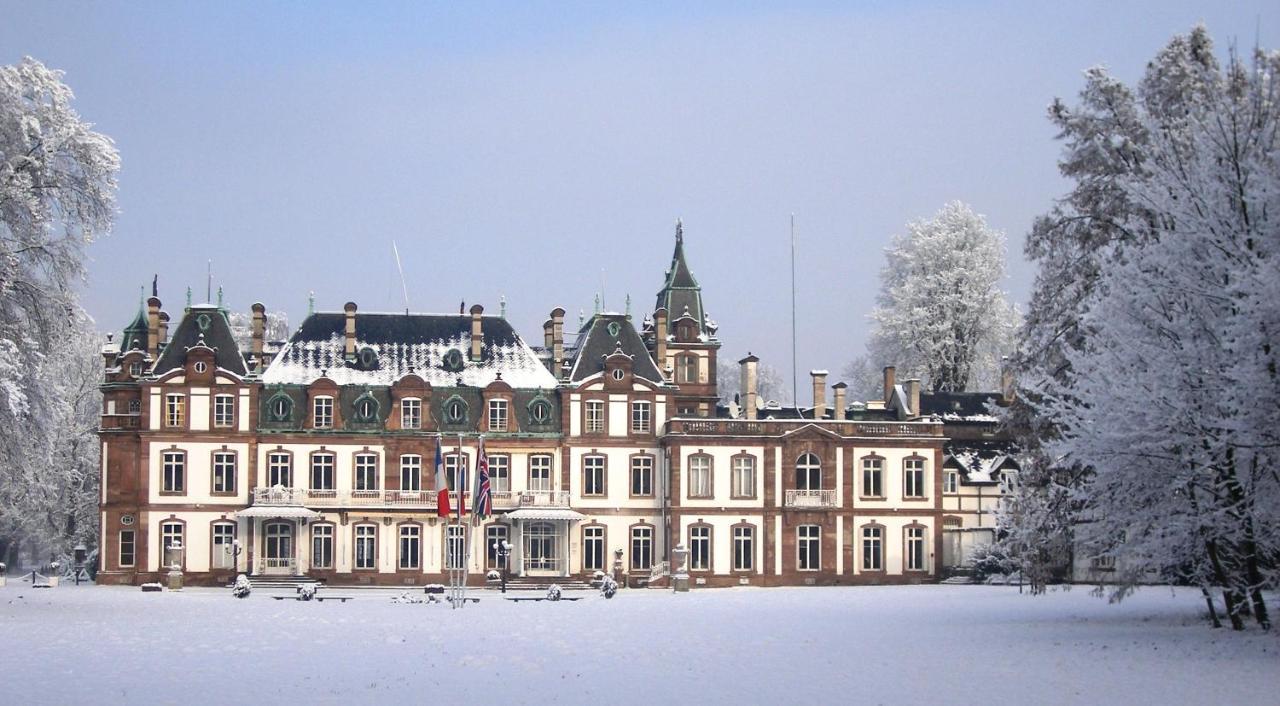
411 413
281 408
366 409
497 415
322 412
453 360
455 411
540 412
135 369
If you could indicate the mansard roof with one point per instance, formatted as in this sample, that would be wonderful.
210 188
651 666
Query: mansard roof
400 344
600 339
205 325
680 293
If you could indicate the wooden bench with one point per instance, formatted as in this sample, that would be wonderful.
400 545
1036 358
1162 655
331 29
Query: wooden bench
544 598
344 599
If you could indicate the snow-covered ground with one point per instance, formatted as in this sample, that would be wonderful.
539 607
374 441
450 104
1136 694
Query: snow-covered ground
948 644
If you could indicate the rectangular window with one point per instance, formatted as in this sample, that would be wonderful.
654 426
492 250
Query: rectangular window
593 475
455 547
744 548
700 476
455 472
872 548
951 482
808 547
641 418
642 476
366 470
744 476
322 472
873 478
175 410
410 546
322 546
173 466
915 549
279 470
913 480
688 366
540 472
127 548
500 473
224 538
366 546
322 413
497 415
494 536
411 413
700 548
595 416
593 548
642 548
411 473
224 472
224 414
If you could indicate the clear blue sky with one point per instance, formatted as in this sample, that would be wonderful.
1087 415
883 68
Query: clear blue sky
522 148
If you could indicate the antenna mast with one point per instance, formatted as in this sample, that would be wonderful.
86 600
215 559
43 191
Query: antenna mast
795 395
403 287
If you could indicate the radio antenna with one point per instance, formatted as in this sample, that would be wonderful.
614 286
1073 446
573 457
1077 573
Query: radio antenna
403 287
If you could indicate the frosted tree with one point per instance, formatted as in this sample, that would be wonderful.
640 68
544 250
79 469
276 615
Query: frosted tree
769 383
865 378
1161 382
57 193
941 315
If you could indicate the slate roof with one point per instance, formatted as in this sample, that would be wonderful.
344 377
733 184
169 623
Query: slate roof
400 344
596 342
217 336
958 406
135 334
680 292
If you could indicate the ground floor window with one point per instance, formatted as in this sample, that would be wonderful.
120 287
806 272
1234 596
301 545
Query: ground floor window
494 537
744 548
872 548
915 549
127 548
700 548
593 548
410 547
455 547
366 546
808 547
322 546
171 539
642 547
224 539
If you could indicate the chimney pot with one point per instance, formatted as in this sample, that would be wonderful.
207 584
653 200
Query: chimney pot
557 342
913 394
839 402
350 349
258 331
477 331
749 376
153 327
890 380
819 393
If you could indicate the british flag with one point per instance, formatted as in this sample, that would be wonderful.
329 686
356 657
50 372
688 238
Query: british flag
482 501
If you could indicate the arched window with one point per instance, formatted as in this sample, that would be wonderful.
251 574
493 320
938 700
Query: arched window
808 472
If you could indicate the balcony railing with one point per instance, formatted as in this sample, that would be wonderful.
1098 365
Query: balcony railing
544 498
810 498
307 497
777 427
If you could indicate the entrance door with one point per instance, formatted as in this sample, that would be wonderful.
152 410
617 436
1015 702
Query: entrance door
277 551
541 544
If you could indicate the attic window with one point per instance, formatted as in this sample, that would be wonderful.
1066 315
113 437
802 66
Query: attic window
135 369
366 409
280 408
540 412
619 373
614 328
368 359
201 367
455 411
453 360
203 322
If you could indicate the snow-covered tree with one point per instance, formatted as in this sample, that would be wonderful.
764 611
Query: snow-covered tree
769 383
1152 394
865 379
275 328
942 316
57 193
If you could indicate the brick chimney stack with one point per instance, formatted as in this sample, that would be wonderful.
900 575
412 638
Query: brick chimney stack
548 337
258 331
839 403
890 379
477 331
660 339
749 384
913 394
164 328
557 342
349 350
819 393
153 327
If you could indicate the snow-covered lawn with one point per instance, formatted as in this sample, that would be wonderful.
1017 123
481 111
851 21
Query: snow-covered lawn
950 644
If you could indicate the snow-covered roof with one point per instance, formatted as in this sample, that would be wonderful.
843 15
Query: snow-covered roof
980 461
398 344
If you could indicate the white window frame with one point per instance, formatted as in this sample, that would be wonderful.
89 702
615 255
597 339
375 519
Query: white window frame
873 477
322 412
641 544
173 472
322 534
365 547
133 548
744 476
873 546
365 464
455 547
499 415
175 409
914 556
913 478
224 472
279 462
950 481
699 547
540 472
642 467
641 417
594 465
595 416
744 547
410 473
593 535
409 547
325 464
224 411
411 413
811 560
500 473
223 558
700 478
809 466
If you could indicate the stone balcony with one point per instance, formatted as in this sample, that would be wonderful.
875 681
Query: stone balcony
306 497
806 499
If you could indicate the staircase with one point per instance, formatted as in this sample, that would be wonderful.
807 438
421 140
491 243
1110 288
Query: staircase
288 582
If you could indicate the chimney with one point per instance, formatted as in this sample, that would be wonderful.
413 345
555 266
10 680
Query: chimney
1006 381
749 389
660 340
258 331
819 393
164 327
557 341
349 350
153 327
839 403
890 379
913 394
477 331
548 335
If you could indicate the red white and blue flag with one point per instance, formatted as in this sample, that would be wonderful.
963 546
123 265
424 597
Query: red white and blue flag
442 484
482 499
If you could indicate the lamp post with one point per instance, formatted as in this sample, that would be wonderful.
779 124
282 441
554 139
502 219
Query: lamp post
503 549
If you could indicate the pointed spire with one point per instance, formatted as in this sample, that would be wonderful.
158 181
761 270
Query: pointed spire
597 311
219 296
502 305
188 297
628 311
311 302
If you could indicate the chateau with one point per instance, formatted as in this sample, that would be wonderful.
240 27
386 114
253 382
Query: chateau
606 448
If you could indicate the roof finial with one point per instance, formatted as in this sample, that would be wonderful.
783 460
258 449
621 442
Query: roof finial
628 312
142 295
679 230
155 285
219 296
311 302
581 317
502 306
188 296
597 303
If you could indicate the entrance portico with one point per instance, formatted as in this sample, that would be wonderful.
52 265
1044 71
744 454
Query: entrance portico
541 546
275 534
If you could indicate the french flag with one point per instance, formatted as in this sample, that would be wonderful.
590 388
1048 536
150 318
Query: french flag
442 485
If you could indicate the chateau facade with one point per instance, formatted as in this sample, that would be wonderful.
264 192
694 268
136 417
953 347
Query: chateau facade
316 456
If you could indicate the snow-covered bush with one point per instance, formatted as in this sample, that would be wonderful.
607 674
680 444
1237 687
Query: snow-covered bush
307 591
989 560
242 587
407 597
608 586
151 588
553 593
493 575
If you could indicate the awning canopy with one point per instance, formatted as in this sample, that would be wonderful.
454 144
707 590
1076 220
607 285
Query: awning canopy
546 513
283 512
